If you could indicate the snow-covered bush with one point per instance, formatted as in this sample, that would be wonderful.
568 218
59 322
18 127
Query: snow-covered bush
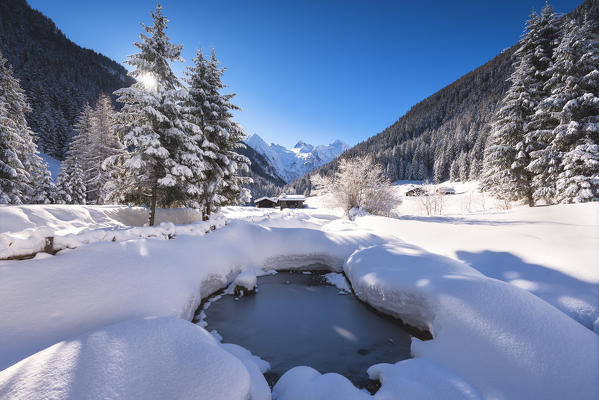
431 200
358 183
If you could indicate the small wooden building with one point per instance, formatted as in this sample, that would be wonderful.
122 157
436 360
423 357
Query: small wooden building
266 202
291 201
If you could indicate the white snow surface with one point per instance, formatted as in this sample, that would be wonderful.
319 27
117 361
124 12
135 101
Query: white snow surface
246 279
151 358
338 280
53 165
296 162
509 295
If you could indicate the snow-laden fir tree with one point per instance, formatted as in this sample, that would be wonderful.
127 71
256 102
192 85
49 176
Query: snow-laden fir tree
212 110
15 181
71 182
24 176
152 124
515 132
73 179
542 158
575 101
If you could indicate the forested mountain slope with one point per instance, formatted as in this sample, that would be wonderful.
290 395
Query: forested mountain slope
58 76
444 135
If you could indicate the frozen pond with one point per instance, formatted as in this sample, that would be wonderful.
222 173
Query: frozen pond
298 319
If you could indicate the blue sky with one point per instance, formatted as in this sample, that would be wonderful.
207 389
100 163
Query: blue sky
315 70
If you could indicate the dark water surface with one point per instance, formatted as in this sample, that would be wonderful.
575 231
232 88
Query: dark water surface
298 319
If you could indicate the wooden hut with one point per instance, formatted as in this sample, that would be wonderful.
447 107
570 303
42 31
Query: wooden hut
266 202
291 201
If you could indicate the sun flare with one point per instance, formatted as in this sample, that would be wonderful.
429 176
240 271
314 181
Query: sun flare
149 81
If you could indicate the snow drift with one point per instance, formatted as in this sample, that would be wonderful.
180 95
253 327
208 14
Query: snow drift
151 358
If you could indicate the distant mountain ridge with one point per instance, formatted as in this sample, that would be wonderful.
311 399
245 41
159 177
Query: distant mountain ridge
293 163
58 76
266 180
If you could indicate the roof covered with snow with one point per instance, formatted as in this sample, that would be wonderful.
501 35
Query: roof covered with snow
282 197
273 199
292 197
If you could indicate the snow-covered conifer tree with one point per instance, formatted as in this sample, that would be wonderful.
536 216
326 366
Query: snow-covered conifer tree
575 99
152 124
71 183
515 133
14 179
213 112
24 177
74 174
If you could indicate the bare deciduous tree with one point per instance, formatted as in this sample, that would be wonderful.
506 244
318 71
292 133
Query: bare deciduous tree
431 200
358 183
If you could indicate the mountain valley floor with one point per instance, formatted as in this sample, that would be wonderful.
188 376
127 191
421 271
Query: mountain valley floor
509 294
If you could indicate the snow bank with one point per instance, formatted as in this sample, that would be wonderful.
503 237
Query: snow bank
68 219
301 383
102 283
152 358
491 340
246 279
74 226
338 280
504 341
550 251
256 368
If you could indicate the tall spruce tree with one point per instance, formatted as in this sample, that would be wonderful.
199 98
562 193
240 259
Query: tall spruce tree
228 136
24 177
73 179
542 160
152 124
515 132
212 111
15 180
71 182
575 99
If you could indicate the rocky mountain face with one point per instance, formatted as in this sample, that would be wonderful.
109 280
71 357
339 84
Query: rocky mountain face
293 163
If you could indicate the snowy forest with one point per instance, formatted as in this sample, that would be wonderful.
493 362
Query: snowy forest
524 138
451 134
544 144
169 145
58 76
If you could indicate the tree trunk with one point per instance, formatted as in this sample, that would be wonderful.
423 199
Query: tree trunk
153 199
529 199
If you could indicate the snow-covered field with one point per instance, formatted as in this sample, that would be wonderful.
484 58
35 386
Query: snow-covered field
510 296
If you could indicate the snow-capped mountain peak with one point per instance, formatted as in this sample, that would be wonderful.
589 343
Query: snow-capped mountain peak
293 163
303 147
